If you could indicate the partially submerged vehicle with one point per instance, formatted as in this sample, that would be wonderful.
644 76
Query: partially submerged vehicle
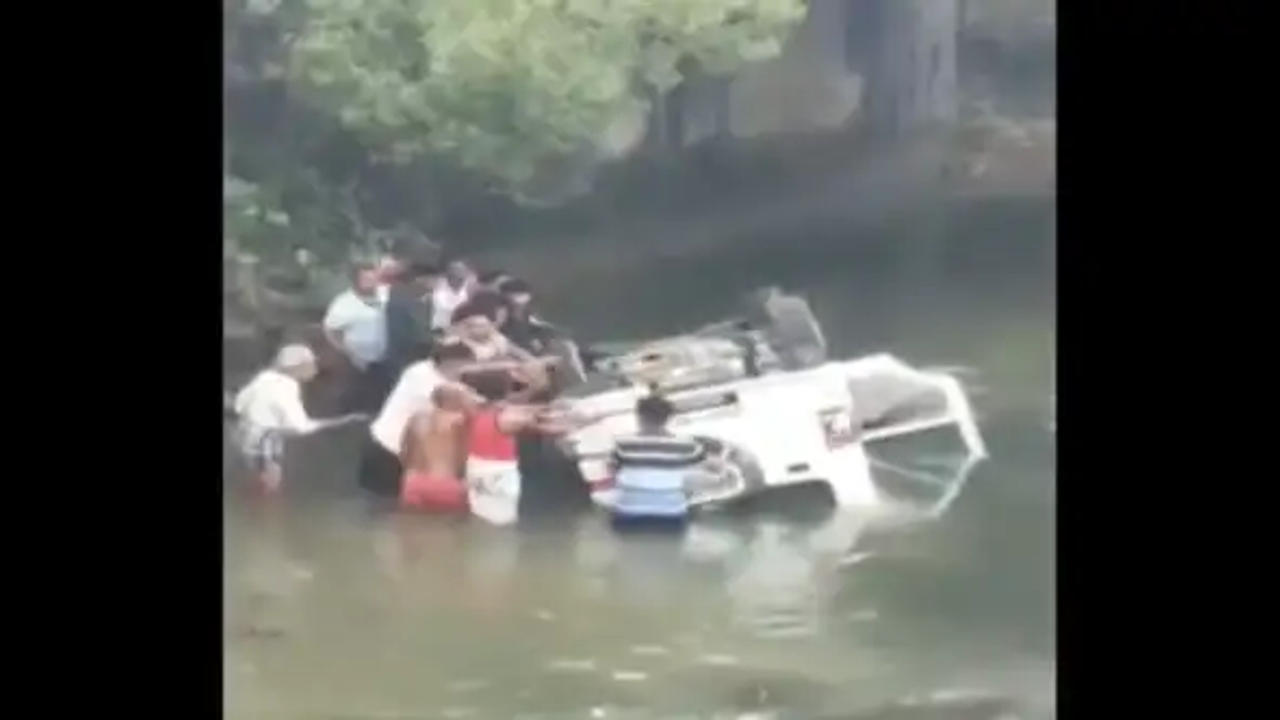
771 409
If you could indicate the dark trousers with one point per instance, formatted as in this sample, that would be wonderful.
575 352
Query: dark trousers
551 488
367 389
380 471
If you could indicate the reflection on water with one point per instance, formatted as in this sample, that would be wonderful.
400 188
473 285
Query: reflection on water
334 610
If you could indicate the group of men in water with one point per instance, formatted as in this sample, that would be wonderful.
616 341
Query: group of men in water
451 369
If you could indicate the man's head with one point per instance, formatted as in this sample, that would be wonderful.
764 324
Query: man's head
518 293
451 358
457 273
653 412
390 269
475 321
364 278
297 361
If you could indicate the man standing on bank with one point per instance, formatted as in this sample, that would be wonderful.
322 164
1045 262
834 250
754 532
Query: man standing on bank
356 324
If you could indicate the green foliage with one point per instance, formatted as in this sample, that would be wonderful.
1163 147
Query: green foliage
249 215
505 88
463 95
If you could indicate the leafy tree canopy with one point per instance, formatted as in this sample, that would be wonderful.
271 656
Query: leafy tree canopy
505 88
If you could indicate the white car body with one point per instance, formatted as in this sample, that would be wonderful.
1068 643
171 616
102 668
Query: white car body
799 426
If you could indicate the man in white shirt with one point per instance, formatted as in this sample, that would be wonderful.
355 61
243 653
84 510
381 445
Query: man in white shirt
448 295
356 324
380 466
269 409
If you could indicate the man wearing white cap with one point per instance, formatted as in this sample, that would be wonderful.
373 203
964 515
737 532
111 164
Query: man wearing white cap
270 408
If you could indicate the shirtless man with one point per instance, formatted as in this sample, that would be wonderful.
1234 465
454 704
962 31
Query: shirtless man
470 432
435 439
434 450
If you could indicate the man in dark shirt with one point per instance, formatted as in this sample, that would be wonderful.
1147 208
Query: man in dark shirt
521 327
409 336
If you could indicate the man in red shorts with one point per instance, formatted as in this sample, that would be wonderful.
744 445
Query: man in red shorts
433 452
435 441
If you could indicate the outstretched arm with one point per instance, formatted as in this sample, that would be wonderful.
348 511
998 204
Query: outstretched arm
296 421
517 418
535 378
456 396
561 419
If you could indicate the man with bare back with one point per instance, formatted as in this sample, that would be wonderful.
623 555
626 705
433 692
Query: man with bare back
462 453
381 469
436 436
433 451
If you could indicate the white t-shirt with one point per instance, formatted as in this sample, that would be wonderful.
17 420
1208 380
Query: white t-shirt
363 325
411 396
273 401
444 300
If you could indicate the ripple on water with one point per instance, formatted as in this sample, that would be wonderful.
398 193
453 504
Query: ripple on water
463 686
718 659
571 665
649 650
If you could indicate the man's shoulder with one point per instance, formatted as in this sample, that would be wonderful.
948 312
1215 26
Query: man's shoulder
422 368
421 376
342 301
659 443
275 382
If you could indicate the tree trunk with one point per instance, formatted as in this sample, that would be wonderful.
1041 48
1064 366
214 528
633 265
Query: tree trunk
911 68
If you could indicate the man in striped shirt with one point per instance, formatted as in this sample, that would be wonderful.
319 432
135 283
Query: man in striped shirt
650 469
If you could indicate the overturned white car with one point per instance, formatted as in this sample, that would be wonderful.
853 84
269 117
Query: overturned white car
771 409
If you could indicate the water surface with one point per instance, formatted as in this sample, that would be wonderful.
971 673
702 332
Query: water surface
333 611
